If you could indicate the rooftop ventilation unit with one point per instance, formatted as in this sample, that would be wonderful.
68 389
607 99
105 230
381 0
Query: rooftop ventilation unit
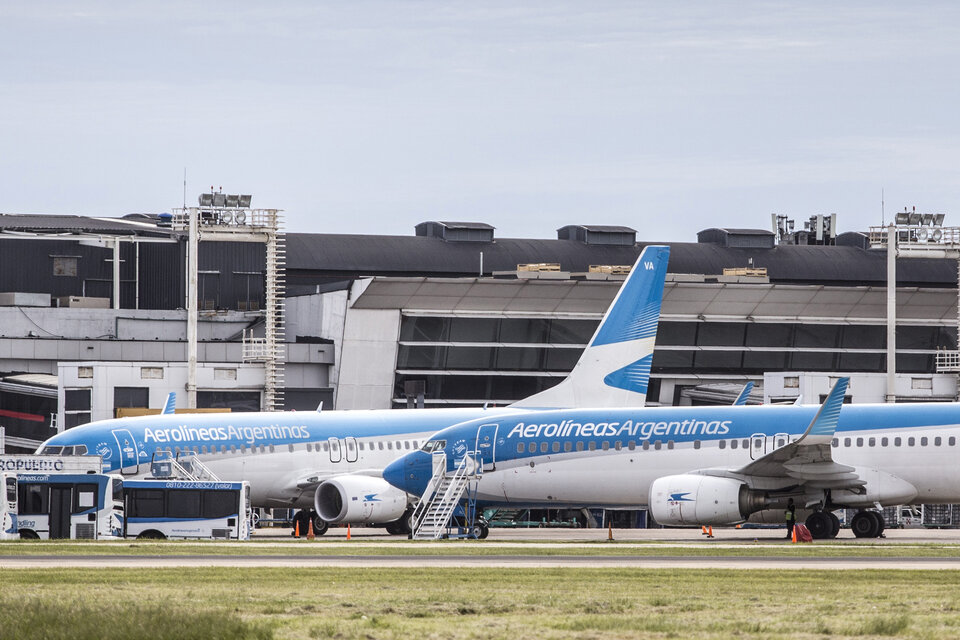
456 231
598 235
738 238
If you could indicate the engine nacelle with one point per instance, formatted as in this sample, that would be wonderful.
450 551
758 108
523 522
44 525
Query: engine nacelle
691 499
359 500
881 487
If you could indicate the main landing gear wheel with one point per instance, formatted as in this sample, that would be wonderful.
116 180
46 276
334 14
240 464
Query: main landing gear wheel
320 525
820 525
835 521
400 526
867 524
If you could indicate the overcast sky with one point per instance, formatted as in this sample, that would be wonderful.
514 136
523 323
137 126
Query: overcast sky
369 116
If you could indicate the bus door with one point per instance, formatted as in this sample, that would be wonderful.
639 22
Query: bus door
9 529
60 510
353 453
335 454
487 446
129 459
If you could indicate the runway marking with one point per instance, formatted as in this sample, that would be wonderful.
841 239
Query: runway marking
406 561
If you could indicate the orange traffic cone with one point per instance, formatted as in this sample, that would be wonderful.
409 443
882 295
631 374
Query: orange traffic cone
310 534
348 531
794 536
710 534
610 531
703 529
296 529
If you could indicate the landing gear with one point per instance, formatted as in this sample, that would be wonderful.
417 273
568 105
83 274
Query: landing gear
835 522
821 525
301 523
320 525
867 524
401 526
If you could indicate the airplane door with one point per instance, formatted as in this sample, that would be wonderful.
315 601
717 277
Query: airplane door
487 446
129 458
335 454
352 450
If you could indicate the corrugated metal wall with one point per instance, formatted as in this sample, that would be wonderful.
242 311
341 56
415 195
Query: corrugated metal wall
232 273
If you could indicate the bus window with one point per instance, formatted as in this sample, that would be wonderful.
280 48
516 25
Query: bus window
147 503
183 503
11 490
85 497
34 499
117 488
219 504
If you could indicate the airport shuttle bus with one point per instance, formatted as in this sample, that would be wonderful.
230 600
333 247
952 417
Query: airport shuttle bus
178 509
69 506
8 507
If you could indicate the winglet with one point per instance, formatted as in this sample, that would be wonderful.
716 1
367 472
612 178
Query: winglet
171 404
825 422
744 394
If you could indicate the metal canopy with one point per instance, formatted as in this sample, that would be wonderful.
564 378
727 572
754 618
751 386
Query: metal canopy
682 300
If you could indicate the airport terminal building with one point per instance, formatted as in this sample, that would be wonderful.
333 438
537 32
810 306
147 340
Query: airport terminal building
450 315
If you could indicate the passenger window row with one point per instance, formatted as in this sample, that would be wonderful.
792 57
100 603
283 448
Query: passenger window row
605 445
398 445
897 441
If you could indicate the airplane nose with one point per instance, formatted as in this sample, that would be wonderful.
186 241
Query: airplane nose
410 473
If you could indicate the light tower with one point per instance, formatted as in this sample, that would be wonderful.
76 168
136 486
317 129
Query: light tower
225 217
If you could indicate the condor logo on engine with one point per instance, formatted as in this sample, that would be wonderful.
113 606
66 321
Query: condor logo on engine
677 498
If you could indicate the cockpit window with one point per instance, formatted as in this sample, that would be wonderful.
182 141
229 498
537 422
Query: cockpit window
80 450
51 451
434 445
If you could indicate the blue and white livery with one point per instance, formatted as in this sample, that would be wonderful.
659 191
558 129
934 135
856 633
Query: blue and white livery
333 461
710 465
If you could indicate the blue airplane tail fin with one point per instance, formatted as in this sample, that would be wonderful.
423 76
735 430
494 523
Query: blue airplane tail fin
614 369
744 394
171 403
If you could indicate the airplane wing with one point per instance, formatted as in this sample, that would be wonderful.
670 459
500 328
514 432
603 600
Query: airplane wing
809 459
744 394
310 481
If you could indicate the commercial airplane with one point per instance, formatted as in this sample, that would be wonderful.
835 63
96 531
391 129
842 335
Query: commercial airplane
333 460
709 465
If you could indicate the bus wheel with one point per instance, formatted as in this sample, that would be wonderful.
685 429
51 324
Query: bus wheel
151 535
320 525
28 534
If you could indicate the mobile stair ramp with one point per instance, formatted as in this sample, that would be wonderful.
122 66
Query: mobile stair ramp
445 492
186 467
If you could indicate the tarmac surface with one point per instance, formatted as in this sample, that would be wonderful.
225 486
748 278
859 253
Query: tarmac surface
534 541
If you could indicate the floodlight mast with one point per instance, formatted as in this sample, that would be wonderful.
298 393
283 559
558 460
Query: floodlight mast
915 235
214 221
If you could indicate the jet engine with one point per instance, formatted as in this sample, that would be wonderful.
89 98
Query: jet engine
359 500
692 499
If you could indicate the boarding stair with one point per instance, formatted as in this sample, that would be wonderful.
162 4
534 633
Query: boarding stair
187 467
445 493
